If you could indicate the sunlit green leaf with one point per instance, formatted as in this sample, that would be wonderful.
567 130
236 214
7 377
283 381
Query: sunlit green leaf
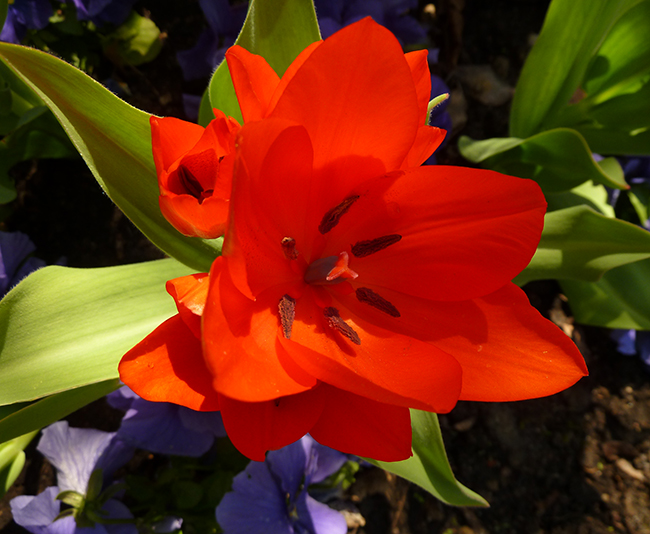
23 417
64 328
579 244
620 299
12 460
278 31
588 194
429 467
558 160
114 140
557 64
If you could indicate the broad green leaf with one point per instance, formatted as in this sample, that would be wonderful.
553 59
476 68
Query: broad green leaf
27 417
587 193
429 467
558 160
12 460
64 328
620 299
629 143
115 141
623 56
579 244
276 30
572 33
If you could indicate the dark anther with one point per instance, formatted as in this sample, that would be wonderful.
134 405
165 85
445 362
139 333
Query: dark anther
333 216
276 402
334 321
287 309
366 248
289 248
368 296
192 185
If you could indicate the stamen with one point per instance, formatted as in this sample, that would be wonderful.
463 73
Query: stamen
334 321
368 296
287 309
289 248
366 248
333 216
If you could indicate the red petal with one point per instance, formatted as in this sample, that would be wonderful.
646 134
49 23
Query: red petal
270 201
385 367
506 349
172 138
465 232
167 366
257 427
190 293
356 425
254 80
241 347
419 64
360 105
206 220
428 139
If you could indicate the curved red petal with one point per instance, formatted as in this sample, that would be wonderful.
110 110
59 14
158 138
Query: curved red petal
385 366
206 220
172 138
362 104
270 201
190 293
241 347
168 366
254 81
464 232
506 349
257 427
357 425
427 140
418 62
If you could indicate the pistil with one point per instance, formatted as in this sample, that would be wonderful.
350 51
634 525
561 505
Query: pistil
330 270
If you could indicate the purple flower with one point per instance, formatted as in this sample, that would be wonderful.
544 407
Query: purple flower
76 453
163 427
101 12
15 263
271 496
23 15
393 14
224 23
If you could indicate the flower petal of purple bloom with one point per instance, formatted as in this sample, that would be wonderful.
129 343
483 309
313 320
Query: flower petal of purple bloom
116 510
35 514
104 11
322 518
14 248
643 346
159 427
76 453
12 31
122 399
218 15
201 59
256 504
626 341
328 26
358 9
332 9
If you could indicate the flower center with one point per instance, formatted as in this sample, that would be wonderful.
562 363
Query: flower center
330 270
192 185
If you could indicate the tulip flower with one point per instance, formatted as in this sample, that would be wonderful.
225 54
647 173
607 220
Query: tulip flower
354 284
194 166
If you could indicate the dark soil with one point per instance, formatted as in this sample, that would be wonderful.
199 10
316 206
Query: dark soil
577 462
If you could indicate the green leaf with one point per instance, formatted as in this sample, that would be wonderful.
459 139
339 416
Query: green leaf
557 64
558 160
588 194
578 243
64 328
114 140
135 42
23 417
12 460
429 467
276 30
620 299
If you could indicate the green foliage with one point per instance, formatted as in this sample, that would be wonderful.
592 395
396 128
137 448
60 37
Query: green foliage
278 31
12 460
136 41
115 141
558 160
63 328
429 467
